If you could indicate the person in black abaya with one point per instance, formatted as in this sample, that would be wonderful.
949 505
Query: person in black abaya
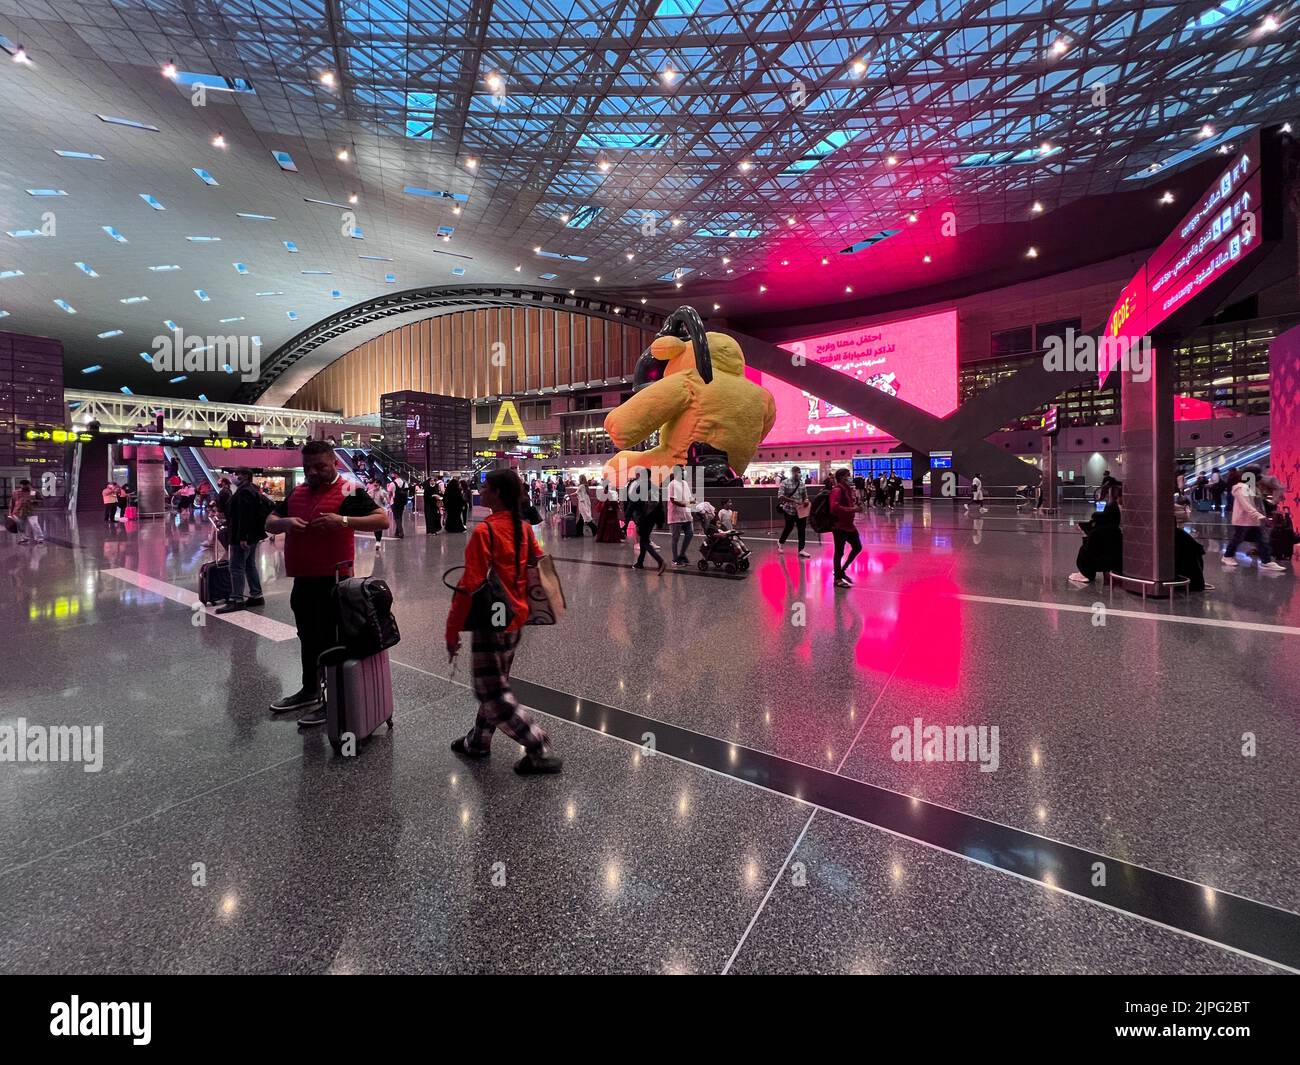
453 504
1102 550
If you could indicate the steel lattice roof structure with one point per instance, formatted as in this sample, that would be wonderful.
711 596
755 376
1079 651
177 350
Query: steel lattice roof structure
621 148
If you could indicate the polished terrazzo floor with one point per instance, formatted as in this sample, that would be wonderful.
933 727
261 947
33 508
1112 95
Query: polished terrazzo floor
1122 740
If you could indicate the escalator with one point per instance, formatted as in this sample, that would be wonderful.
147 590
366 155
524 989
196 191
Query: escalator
1251 450
192 465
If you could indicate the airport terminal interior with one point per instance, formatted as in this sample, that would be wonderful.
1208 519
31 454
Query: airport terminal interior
658 487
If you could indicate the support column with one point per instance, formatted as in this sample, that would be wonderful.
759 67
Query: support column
1048 480
1148 442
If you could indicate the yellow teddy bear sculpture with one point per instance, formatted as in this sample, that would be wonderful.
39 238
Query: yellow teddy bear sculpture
729 412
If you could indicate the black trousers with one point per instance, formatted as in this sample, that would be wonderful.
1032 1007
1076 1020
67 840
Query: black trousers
842 537
312 602
790 522
398 512
643 531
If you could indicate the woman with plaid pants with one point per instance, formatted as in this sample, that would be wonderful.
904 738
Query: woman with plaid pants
504 543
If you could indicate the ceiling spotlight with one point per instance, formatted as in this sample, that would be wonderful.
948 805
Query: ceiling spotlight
926 259
1269 24
495 83
725 260
1060 46
20 55
848 289
731 269
643 299
669 75
762 288
353 198
218 141
598 277
717 306
1286 127
603 166
630 256
169 70
746 167
825 261
676 222
519 267
471 162
785 262
1045 148
891 160
859 68
343 155
327 79
679 284
564 218
789 221
911 216
1168 197
456 209
1037 208
572 291
1032 253
1206 131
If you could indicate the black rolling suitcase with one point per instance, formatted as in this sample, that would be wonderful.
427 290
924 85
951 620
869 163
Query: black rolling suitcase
214 579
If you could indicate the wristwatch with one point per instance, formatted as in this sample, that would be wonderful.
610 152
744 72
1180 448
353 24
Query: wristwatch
345 521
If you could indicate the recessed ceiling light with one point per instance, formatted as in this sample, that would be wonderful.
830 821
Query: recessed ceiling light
1060 46
679 284
785 262
353 198
1045 148
643 299
630 256
912 217
603 166
676 222
327 78
725 260
669 75
1032 253
519 267
20 55
1206 131
1168 197
1286 127
825 261
471 162
746 167
717 306
891 160
495 83
169 70
926 259
598 277
848 288
859 67
456 209
343 155
572 291
762 288
219 141
1037 208
564 218
1269 24
789 221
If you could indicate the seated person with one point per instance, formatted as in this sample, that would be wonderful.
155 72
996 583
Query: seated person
728 519
1102 550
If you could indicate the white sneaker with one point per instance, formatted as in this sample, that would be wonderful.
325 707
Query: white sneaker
804 554
1229 561
780 547
842 583
1078 578
1273 567
984 510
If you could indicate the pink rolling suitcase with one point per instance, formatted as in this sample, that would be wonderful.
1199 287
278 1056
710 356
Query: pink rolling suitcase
358 695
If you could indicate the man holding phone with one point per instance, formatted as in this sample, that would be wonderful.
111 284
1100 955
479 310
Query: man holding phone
319 519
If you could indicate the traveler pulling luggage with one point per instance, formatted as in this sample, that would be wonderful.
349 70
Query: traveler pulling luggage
358 674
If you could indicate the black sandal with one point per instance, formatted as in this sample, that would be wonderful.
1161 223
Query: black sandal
458 745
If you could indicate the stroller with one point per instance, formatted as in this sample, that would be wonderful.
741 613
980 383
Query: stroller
723 550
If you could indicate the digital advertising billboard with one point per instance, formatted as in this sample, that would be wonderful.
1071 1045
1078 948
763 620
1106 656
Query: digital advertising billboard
914 359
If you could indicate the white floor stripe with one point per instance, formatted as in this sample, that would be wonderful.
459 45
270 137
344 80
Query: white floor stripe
244 619
1078 608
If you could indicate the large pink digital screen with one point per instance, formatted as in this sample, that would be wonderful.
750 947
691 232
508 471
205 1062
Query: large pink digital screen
914 359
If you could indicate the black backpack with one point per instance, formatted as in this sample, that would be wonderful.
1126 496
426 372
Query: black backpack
365 616
820 515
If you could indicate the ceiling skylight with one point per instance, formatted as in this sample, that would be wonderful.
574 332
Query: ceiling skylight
152 202
204 176
285 161
77 155
127 122
115 234
46 192
64 305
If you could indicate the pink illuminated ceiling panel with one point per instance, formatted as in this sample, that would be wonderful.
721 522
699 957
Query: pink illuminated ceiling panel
914 359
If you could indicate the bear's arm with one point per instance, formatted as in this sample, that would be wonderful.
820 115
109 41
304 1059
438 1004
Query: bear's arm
647 410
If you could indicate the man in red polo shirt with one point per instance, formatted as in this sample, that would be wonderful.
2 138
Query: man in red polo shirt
318 519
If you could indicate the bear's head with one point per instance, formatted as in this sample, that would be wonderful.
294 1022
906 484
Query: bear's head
679 354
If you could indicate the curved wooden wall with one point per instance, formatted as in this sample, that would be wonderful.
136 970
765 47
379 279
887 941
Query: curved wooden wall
451 355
